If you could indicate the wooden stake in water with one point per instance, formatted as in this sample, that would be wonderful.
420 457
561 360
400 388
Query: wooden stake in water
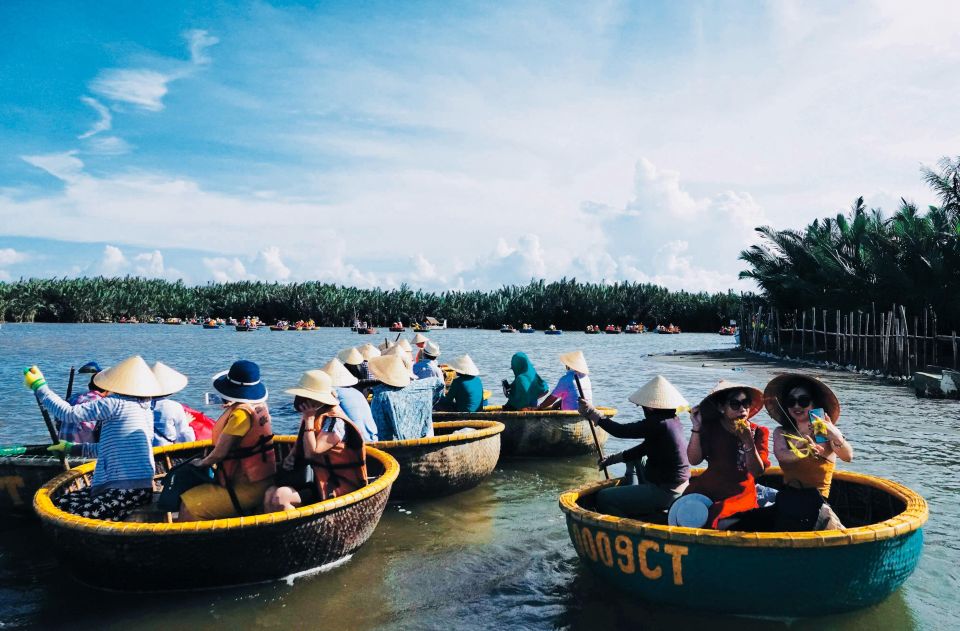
593 430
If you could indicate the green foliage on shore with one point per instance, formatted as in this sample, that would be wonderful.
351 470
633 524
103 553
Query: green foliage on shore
848 261
565 303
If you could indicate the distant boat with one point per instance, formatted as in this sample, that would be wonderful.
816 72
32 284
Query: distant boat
553 331
934 382
397 327
527 329
507 328
432 324
612 330
367 331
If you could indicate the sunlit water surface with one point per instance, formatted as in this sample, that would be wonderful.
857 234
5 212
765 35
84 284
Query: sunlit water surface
495 556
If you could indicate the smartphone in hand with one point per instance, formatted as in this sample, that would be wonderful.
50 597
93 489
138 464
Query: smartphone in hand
819 414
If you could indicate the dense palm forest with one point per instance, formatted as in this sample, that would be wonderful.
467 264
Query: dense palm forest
565 303
846 262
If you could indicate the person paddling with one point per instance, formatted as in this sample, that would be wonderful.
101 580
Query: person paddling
566 393
466 390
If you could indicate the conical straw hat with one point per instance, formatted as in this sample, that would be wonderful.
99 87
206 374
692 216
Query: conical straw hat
404 344
390 370
369 351
384 346
131 377
315 385
465 366
170 380
822 394
350 356
431 349
420 338
716 395
339 375
659 394
394 349
575 361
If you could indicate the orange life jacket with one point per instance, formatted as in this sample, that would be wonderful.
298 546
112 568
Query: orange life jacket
254 456
343 468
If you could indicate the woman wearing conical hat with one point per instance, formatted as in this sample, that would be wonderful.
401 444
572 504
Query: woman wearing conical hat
171 422
401 406
427 366
466 390
123 476
735 448
353 402
566 393
353 361
667 470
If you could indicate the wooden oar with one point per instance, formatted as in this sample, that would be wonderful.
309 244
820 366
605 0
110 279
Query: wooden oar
53 432
70 384
593 430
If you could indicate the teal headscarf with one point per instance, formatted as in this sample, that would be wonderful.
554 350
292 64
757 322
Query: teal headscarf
528 385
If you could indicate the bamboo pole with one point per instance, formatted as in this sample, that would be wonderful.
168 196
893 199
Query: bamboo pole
802 337
866 347
813 329
954 341
793 329
826 342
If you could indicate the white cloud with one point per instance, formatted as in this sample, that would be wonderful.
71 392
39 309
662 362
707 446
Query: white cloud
9 256
226 270
199 41
64 166
270 265
103 123
113 262
108 146
149 264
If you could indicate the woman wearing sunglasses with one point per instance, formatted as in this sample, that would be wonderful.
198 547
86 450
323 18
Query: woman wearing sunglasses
807 445
735 449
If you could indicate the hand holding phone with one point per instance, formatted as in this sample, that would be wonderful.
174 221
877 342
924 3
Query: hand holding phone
817 414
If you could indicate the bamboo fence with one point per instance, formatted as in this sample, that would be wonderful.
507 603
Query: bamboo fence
889 341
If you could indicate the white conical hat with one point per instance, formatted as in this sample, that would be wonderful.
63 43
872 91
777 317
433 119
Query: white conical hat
394 350
465 366
350 356
420 338
170 380
131 377
390 370
315 385
431 349
369 351
384 346
339 375
404 344
660 394
575 361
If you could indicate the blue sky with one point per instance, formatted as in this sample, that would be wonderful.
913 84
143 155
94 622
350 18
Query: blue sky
455 144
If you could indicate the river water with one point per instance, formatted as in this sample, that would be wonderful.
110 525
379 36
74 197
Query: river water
498 555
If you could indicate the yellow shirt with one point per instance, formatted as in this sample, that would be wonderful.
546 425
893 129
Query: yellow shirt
238 424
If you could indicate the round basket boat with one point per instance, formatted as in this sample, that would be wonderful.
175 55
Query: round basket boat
540 433
446 462
21 476
766 574
216 553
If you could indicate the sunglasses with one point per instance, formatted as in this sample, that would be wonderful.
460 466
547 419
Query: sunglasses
739 404
803 401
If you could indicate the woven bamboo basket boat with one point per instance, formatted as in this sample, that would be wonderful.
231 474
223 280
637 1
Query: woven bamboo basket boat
445 463
692 567
540 433
21 477
216 553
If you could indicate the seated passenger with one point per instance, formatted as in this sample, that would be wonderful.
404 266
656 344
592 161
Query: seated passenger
428 365
420 341
328 441
565 395
82 431
404 356
171 422
123 474
736 450
353 361
527 386
402 408
353 402
466 390
242 450
368 351
666 472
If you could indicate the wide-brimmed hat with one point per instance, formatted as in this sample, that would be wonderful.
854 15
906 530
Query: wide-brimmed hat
405 345
575 361
369 351
390 370
350 357
90 368
339 375
241 383
776 389
315 385
756 396
465 366
690 511
420 338
658 394
131 377
170 380
431 349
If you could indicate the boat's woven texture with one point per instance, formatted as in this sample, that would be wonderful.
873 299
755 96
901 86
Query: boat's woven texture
541 433
21 477
445 463
693 567
159 556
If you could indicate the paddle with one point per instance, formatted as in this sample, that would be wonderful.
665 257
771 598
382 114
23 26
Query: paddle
53 433
70 384
593 430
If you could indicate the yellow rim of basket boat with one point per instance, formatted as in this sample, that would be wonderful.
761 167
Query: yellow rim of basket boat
499 411
484 429
912 518
47 510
